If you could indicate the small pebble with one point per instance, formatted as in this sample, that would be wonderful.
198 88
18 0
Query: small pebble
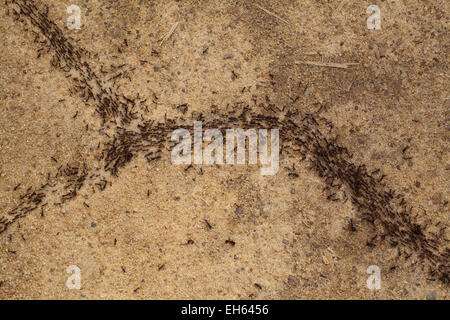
436 198
431 295
292 281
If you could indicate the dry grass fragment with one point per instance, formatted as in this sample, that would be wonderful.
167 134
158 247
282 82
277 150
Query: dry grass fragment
169 34
327 64
271 13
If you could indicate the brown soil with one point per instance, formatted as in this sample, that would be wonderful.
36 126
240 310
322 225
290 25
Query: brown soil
85 171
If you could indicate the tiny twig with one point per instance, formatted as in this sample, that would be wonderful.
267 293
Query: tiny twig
311 53
169 34
327 64
270 13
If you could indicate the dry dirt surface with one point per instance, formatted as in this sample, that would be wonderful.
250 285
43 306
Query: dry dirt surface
88 188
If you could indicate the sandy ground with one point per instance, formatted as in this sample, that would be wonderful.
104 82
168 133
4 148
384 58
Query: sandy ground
148 229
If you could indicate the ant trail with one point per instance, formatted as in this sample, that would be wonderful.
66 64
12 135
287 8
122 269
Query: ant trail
300 136
73 61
